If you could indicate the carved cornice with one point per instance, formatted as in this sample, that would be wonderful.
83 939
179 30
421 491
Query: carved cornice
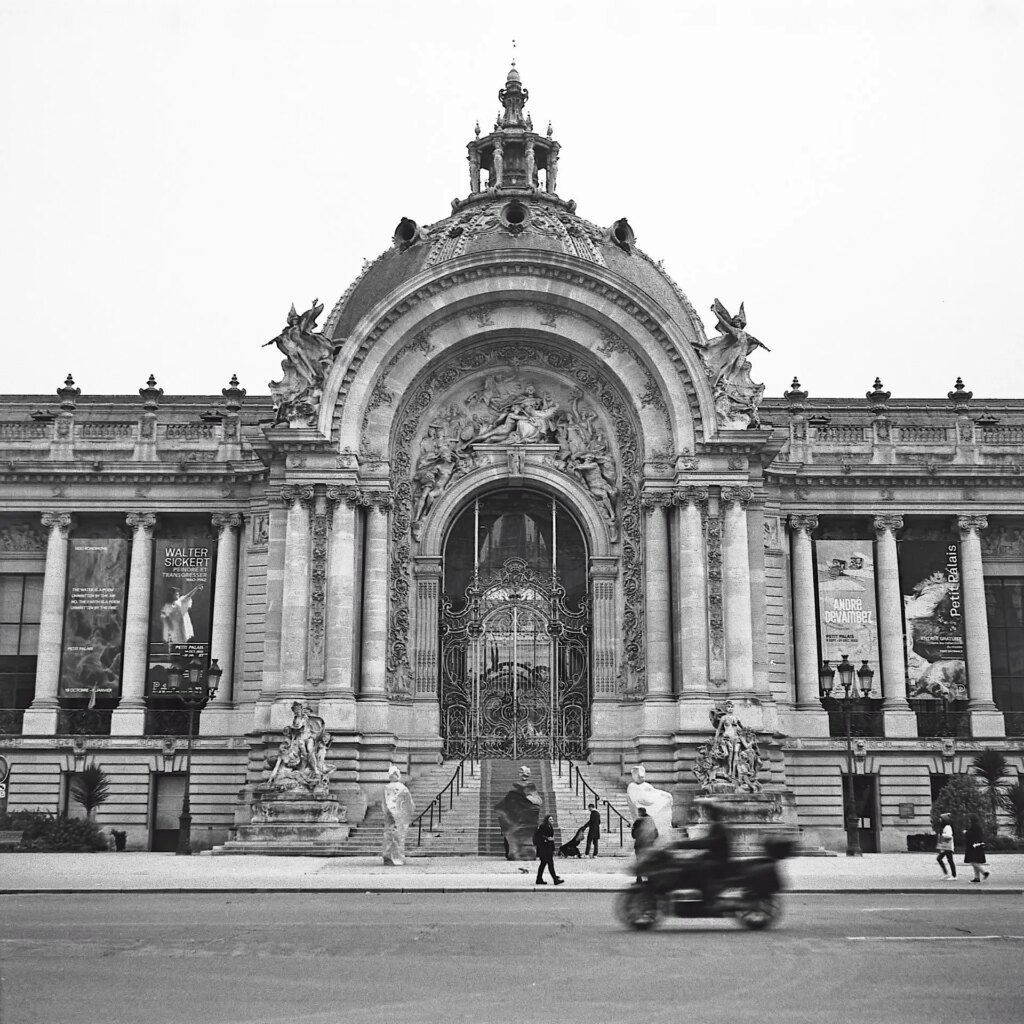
57 520
145 521
803 524
887 524
972 524
226 521
741 496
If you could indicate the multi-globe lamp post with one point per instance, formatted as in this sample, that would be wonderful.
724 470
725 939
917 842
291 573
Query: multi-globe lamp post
861 688
202 686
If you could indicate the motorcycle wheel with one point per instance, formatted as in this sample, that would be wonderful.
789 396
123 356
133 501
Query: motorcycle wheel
637 908
760 912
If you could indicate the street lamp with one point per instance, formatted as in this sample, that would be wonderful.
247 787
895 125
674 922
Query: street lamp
201 690
864 675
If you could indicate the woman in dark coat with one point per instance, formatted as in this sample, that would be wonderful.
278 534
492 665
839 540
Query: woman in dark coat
974 850
544 840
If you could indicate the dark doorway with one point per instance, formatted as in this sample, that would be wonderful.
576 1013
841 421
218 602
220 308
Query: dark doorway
168 791
865 799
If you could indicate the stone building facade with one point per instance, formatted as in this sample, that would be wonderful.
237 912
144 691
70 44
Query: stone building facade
510 500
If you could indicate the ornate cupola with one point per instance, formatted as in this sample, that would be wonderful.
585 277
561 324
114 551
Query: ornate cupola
513 155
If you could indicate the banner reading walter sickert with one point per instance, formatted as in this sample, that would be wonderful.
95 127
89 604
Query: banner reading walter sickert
180 607
94 603
847 612
933 611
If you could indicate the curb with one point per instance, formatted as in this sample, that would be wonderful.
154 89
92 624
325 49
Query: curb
375 890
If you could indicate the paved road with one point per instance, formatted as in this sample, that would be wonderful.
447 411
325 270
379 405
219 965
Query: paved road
397 958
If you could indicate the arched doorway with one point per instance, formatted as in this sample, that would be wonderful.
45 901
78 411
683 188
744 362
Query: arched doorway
515 630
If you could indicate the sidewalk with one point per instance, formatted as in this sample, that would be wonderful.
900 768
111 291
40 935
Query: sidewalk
164 872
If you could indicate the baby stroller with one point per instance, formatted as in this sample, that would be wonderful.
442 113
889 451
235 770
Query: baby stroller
571 848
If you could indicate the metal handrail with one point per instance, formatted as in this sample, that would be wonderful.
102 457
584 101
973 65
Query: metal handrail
598 799
453 789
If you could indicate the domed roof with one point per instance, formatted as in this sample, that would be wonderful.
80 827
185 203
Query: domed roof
516 210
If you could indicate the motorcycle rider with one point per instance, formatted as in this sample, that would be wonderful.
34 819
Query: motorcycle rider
717 847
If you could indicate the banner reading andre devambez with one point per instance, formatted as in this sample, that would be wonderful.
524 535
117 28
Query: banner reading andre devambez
933 611
94 617
180 607
847 612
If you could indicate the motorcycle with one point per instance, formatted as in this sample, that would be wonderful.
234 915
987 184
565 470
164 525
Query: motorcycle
747 889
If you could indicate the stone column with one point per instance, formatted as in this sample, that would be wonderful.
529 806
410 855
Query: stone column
692 591
41 718
295 593
813 719
129 717
898 718
373 683
342 613
215 719
657 598
986 719
739 639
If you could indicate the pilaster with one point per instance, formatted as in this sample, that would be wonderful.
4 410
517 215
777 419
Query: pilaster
739 641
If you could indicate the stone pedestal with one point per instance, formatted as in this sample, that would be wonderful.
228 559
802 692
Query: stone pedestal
286 823
752 818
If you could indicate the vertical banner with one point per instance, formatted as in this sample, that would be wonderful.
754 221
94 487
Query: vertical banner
94 617
847 612
181 607
933 610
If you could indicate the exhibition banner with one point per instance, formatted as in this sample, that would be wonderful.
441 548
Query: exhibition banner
181 606
94 603
847 611
934 623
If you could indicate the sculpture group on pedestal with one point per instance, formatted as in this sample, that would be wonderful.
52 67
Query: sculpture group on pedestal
302 757
731 762
398 809
656 802
737 397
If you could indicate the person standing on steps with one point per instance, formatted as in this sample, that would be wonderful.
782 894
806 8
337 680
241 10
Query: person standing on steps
544 840
593 830
974 850
944 846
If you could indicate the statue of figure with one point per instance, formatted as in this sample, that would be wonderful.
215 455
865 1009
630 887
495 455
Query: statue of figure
593 472
474 170
398 809
518 815
658 802
731 762
552 179
308 355
531 165
302 758
497 165
728 367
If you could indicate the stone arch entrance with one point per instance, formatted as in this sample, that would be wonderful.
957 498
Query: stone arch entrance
515 629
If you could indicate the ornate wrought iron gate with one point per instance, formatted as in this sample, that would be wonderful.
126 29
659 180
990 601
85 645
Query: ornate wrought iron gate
515 668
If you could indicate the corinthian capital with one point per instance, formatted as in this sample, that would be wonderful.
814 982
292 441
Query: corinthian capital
144 521
803 524
741 496
291 494
652 500
225 521
887 524
972 524
57 520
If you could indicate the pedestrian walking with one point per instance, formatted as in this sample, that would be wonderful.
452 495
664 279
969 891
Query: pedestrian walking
644 833
593 830
544 840
974 850
944 846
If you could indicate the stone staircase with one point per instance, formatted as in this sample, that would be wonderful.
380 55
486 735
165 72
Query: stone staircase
367 837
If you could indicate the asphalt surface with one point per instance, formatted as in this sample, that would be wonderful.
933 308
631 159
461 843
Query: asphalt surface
400 958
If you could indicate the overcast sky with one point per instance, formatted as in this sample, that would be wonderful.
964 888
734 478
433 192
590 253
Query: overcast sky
173 175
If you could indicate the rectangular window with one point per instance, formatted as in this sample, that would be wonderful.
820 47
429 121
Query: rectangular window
21 597
1004 596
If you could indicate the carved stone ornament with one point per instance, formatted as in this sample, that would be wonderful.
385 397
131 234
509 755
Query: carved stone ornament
972 524
317 594
301 762
27 537
731 762
145 521
716 613
803 524
225 521
1003 541
887 524
737 397
260 530
474 399
308 356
